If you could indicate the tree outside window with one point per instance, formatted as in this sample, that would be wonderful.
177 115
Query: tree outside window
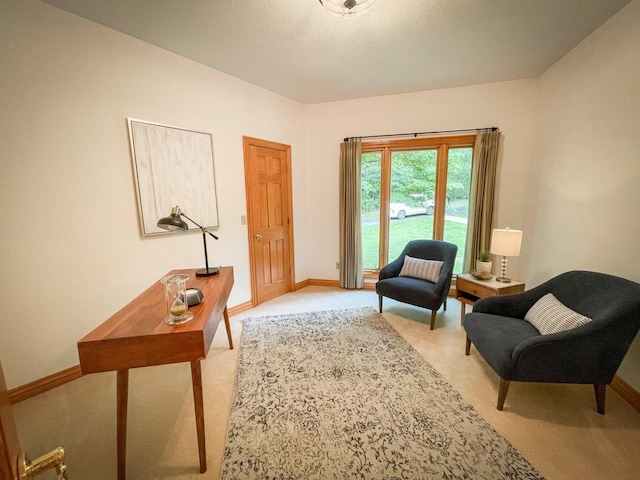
414 189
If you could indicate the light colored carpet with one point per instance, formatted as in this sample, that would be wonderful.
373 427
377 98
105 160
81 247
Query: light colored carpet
555 426
340 394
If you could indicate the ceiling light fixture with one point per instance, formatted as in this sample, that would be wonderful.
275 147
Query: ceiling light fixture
347 7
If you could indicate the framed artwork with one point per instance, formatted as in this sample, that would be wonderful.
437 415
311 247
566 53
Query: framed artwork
172 166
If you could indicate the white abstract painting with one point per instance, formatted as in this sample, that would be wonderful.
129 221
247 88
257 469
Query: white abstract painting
172 166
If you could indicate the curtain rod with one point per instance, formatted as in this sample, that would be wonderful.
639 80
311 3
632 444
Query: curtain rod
493 129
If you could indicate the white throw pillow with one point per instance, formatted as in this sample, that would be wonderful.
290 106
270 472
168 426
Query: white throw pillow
419 268
549 315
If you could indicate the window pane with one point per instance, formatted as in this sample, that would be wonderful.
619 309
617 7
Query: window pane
413 180
371 175
457 208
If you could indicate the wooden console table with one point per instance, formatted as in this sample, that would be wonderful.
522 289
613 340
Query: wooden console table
469 289
137 336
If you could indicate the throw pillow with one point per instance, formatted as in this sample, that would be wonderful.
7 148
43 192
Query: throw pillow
549 315
419 268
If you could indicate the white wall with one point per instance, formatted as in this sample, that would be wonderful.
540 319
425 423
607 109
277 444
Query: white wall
585 167
566 172
71 249
511 106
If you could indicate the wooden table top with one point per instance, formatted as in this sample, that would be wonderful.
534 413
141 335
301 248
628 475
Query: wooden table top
137 335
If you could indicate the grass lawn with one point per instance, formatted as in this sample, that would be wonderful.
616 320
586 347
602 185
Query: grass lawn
410 228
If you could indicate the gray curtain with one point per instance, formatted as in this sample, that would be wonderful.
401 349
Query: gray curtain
481 198
351 271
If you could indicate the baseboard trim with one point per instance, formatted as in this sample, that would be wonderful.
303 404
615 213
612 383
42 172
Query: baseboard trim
243 307
45 384
626 391
369 286
324 283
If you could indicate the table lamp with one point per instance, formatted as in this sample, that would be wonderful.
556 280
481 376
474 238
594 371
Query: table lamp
175 222
505 242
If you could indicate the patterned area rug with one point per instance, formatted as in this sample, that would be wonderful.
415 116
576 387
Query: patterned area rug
340 394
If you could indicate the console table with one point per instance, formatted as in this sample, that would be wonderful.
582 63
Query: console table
137 336
469 289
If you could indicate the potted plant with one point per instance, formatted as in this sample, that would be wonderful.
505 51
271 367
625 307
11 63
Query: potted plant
484 263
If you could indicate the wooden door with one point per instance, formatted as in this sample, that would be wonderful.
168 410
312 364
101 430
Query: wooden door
9 445
267 168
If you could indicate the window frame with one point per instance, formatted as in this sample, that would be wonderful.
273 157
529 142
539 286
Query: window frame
385 147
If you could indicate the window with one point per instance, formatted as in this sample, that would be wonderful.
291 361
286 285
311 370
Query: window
411 189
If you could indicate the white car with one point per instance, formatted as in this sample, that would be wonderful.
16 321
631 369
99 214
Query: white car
400 210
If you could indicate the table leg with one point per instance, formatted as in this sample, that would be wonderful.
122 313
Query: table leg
122 392
196 379
225 314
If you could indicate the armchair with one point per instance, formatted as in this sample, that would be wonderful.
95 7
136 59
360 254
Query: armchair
588 354
418 291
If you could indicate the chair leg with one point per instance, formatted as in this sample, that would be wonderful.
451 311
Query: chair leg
467 348
380 303
445 304
601 393
502 392
433 319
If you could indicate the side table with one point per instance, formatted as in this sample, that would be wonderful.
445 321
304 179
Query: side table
469 289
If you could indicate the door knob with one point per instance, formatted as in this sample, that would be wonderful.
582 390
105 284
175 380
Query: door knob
258 237
52 460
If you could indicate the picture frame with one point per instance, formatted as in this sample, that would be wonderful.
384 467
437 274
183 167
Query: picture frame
172 167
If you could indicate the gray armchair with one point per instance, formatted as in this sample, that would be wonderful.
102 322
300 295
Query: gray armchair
416 291
588 354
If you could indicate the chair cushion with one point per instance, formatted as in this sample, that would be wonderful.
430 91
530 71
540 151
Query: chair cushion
414 291
419 268
549 315
496 337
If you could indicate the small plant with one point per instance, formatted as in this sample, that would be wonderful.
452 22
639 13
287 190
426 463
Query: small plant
484 256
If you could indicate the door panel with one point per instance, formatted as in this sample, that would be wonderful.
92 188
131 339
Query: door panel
269 208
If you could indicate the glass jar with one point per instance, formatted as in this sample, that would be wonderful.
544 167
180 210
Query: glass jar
175 296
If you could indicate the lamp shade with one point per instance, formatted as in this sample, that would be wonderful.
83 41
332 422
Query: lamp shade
506 242
347 7
173 221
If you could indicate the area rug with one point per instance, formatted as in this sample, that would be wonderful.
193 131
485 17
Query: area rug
341 395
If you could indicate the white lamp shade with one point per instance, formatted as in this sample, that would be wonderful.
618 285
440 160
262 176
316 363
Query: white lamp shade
506 242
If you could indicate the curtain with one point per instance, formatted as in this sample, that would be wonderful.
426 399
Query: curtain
351 271
481 197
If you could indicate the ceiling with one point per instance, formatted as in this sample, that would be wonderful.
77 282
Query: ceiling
299 50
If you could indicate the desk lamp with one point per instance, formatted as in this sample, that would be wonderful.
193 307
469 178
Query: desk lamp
505 242
174 222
